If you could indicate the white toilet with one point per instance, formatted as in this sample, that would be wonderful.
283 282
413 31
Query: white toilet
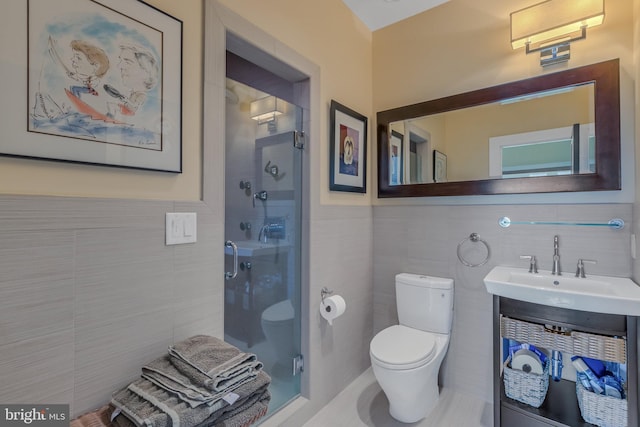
277 325
406 358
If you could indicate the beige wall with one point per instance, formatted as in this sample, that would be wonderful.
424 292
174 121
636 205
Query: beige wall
37 177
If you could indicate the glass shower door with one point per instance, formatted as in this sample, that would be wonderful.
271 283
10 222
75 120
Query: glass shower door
263 219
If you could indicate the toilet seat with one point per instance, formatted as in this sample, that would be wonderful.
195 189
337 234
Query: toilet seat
279 312
400 347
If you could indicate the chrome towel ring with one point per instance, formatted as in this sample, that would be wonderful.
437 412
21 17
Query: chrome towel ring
474 238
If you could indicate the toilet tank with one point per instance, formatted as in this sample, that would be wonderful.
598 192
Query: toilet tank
425 302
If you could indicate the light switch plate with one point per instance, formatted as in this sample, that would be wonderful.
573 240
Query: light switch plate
181 227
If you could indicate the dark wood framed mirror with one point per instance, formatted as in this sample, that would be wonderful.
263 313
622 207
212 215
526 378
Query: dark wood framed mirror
423 133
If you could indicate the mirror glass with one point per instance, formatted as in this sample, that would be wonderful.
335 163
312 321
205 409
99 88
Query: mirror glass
557 132
505 139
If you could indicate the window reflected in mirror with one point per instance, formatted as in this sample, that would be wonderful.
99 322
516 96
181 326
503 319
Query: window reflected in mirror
551 152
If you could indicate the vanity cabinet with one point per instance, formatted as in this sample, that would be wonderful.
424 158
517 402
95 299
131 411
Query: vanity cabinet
615 338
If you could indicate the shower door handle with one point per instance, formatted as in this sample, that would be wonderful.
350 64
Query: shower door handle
229 275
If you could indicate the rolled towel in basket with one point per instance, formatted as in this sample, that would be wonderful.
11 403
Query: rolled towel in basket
212 363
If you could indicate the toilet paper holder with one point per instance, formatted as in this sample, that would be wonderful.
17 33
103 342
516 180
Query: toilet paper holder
324 292
332 306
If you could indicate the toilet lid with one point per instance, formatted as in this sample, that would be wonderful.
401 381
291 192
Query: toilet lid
279 312
400 347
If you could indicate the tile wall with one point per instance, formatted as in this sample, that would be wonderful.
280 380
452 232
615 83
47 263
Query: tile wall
89 293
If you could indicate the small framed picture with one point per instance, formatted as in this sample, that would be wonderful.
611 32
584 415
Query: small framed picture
348 150
439 166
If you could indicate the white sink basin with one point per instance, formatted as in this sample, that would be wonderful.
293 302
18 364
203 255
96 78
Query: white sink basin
249 248
599 294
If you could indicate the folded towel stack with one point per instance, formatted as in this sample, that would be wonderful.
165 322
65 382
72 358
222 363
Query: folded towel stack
203 381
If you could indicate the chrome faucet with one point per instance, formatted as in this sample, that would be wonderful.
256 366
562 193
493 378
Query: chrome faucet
264 233
580 267
533 263
556 257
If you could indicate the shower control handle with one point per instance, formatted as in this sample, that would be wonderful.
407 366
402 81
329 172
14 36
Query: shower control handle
262 195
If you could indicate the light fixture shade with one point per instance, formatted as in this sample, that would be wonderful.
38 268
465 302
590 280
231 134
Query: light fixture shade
554 19
266 109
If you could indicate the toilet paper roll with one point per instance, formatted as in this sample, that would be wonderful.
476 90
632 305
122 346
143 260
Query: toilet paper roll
332 307
527 361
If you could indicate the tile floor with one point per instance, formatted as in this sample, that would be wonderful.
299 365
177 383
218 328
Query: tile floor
363 403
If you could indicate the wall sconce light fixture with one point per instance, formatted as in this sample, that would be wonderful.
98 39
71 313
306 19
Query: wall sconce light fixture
549 27
265 110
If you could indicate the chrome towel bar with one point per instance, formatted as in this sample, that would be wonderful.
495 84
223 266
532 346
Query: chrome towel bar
615 223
